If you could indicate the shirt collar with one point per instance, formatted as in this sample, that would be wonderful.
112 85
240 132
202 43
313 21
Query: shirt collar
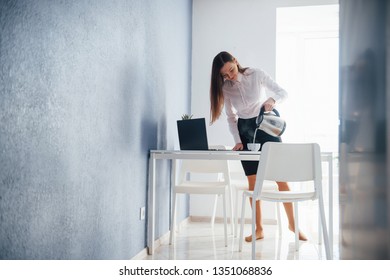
239 77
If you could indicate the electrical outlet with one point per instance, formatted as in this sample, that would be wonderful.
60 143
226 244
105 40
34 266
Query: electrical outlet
142 213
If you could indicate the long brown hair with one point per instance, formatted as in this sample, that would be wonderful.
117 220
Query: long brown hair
216 94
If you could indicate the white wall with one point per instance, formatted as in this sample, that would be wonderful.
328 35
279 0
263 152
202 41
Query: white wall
247 29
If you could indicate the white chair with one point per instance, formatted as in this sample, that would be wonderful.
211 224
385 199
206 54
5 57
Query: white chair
239 184
220 185
285 162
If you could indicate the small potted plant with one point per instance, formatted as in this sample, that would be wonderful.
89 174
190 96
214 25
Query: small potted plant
186 117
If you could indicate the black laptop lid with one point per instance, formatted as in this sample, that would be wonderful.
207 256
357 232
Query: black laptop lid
192 134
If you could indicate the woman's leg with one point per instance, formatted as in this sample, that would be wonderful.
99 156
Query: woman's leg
259 226
288 207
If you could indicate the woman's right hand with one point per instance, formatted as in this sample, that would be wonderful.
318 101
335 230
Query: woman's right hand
238 147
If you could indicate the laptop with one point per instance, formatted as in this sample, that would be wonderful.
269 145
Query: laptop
193 134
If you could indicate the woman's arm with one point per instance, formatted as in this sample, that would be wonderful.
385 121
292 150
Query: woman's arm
232 120
278 93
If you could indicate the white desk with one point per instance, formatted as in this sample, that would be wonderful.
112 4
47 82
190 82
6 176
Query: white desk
210 155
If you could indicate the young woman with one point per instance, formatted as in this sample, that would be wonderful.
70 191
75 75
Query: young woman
242 92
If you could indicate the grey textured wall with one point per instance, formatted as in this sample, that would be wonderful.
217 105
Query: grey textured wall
87 88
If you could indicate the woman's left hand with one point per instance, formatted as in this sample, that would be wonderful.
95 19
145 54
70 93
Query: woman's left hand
238 147
269 104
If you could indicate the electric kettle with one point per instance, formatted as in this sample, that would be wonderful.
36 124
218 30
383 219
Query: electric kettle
271 122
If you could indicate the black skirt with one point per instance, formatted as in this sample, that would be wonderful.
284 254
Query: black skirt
246 129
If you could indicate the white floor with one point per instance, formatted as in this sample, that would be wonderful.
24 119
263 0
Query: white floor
198 241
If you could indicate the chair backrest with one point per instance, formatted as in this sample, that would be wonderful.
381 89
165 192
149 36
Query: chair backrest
219 167
290 162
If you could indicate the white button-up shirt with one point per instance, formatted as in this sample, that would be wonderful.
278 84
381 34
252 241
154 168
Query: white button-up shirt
243 98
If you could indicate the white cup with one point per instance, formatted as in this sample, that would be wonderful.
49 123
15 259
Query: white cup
253 146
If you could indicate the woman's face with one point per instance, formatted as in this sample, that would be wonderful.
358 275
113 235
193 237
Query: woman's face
229 71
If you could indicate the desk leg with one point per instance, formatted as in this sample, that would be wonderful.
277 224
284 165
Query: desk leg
172 204
151 205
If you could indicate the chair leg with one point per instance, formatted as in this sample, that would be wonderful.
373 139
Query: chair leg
253 228
296 226
173 220
279 218
236 214
319 228
225 219
232 224
324 228
214 211
242 221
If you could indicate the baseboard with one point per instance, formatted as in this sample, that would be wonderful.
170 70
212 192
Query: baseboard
141 255
205 219
162 239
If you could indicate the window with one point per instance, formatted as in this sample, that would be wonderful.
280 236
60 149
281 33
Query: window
307 67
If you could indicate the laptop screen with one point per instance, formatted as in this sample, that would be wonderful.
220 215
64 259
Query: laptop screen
192 134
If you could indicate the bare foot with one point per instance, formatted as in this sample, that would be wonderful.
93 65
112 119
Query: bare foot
259 235
301 235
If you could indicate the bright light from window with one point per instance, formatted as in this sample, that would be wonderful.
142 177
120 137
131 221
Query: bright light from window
307 67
